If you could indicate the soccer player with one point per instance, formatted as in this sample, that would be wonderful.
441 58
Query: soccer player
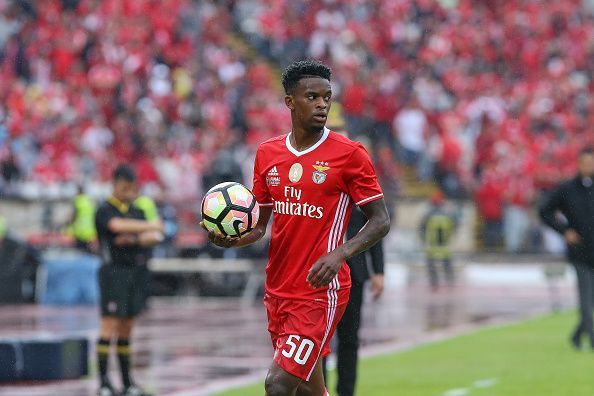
125 238
309 178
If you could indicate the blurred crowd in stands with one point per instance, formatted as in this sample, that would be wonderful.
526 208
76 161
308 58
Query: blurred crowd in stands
489 99
87 84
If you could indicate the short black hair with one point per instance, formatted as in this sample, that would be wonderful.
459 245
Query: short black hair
124 172
588 150
303 69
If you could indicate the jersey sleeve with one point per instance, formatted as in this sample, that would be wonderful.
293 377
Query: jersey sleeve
360 178
260 188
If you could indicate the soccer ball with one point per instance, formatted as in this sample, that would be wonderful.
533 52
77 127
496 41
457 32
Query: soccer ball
230 209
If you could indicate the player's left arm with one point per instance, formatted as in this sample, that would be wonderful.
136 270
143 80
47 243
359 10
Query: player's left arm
377 226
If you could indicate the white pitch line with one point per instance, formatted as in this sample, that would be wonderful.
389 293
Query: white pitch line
479 384
457 392
485 383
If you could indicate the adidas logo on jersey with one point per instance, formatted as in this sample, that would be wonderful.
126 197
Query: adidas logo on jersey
272 178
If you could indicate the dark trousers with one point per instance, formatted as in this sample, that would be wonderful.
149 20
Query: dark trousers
433 276
492 233
347 334
585 281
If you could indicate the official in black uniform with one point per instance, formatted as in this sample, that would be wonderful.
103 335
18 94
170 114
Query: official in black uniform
125 239
574 199
366 265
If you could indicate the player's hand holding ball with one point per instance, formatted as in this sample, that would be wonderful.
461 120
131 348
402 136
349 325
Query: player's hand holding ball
229 211
218 239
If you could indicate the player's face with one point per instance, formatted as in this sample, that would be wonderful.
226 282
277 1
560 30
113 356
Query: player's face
125 191
310 102
586 165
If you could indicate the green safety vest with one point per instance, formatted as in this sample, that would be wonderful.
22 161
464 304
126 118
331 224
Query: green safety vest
83 227
148 207
2 227
438 234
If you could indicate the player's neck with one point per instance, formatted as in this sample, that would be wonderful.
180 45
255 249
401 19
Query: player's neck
302 139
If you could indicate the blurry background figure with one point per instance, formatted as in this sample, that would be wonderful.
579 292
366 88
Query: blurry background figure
489 203
437 229
18 266
365 266
368 265
411 126
168 215
353 103
574 199
10 172
82 223
519 197
224 168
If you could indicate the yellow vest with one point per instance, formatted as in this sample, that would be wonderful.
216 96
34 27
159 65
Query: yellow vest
148 207
83 227
438 234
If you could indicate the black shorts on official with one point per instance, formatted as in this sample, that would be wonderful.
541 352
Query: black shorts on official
123 289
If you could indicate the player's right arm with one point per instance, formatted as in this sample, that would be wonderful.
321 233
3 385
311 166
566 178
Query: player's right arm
254 236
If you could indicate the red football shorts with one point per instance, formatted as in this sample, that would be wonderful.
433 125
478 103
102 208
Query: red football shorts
301 331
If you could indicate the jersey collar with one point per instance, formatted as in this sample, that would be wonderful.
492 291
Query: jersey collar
119 205
307 150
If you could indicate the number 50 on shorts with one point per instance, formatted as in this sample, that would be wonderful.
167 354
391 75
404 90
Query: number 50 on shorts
298 349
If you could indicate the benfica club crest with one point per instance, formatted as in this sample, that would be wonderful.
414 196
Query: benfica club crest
319 175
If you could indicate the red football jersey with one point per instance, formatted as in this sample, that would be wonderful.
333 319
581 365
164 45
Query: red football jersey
312 194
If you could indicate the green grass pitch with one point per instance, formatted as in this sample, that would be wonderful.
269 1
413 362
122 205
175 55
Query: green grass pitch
524 359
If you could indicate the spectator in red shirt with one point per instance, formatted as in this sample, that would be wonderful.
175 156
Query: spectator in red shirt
489 200
354 97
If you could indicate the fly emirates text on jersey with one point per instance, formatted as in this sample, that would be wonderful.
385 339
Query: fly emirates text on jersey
290 207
